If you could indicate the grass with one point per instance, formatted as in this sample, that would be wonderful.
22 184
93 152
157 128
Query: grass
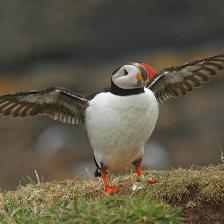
140 208
199 192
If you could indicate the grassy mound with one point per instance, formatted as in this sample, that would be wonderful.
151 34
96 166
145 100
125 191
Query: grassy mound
199 192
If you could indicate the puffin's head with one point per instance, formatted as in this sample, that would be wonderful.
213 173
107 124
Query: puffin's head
132 76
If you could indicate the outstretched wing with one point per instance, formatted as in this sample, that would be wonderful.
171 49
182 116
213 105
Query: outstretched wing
58 103
178 81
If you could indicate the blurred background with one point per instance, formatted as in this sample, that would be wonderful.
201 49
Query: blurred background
77 44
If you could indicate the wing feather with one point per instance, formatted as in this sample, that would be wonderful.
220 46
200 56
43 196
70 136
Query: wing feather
180 80
58 103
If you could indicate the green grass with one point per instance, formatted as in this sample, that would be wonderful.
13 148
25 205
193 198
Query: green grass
139 208
73 201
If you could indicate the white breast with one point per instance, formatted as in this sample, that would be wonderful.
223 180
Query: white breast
119 126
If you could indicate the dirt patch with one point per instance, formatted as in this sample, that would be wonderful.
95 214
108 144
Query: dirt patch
196 211
203 214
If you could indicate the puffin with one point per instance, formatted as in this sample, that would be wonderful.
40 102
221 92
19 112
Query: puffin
121 118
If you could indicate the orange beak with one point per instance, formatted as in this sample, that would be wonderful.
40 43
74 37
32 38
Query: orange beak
139 76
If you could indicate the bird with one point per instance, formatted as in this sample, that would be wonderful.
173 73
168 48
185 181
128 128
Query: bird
118 119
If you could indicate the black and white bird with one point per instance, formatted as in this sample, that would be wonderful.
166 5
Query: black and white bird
120 119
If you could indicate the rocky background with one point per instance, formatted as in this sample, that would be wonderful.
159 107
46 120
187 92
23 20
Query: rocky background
77 44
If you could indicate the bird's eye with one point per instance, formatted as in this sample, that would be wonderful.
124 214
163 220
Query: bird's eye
125 72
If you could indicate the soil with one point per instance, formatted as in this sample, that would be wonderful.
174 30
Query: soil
203 214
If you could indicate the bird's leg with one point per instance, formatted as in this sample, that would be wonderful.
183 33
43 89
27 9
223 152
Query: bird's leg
108 188
138 168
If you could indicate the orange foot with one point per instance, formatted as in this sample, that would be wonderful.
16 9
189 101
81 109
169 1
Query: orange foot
110 188
152 181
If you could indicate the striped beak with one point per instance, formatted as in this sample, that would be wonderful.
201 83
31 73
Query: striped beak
145 73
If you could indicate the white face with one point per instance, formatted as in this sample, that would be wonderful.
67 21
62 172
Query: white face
128 77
